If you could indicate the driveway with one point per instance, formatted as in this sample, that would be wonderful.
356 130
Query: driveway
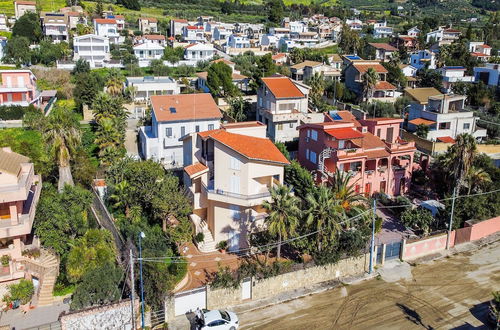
33 318
392 229
450 293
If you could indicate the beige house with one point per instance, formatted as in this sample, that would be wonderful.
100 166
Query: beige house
22 7
19 193
228 177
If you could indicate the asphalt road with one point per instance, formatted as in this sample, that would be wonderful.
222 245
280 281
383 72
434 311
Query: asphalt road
451 293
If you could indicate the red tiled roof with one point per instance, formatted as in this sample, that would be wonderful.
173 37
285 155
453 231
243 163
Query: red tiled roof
278 56
348 116
479 54
254 148
282 87
420 121
119 17
25 3
406 38
243 124
362 68
383 46
105 21
154 37
190 27
384 86
195 169
446 139
180 20
370 141
187 107
344 133
484 46
149 19
378 153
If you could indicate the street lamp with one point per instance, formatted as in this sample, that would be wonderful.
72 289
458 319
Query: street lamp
141 236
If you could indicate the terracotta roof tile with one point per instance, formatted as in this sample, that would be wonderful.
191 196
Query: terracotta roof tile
184 107
149 19
105 21
195 169
384 86
383 46
344 133
154 37
253 148
420 121
370 141
282 87
378 153
362 68
446 139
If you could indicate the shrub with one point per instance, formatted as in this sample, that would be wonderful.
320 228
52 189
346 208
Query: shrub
13 112
200 237
5 260
222 245
31 253
21 291
224 279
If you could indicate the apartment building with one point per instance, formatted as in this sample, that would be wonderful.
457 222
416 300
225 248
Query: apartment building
20 190
383 91
148 25
370 150
174 116
18 88
144 87
228 175
107 27
22 7
55 26
92 48
283 105
444 114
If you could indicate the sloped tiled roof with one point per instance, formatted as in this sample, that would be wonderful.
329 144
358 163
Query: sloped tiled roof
282 87
420 121
10 162
195 169
253 148
362 68
184 107
384 86
302 65
344 133
446 139
383 46
105 21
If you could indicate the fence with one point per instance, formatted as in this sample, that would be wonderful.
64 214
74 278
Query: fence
255 289
473 231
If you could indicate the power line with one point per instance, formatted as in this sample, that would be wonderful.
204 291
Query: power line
489 122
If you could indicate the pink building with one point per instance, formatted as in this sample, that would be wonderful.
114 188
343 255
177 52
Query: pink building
18 88
370 149
19 193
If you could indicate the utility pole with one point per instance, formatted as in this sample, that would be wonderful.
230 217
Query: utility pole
141 236
372 247
132 288
451 219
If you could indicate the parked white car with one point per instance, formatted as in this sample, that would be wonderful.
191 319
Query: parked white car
219 320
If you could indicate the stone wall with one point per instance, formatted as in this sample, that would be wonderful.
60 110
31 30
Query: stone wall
220 298
113 316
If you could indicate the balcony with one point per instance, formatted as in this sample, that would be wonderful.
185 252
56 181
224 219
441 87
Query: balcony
25 218
235 198
19 191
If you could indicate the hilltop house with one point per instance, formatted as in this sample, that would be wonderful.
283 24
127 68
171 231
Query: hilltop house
148 25
148 51
370 150
18 88
444 114
144 87
174 116
422 59
92 48
20 190
199 52
383 91
22 7
305 70
193 34
177 26
383 51
228 175
55 26
480 50
107 27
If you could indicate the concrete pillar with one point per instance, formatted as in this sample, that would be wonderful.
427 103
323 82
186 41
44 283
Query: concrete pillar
13 214
374 257
402 253
384 247
16 251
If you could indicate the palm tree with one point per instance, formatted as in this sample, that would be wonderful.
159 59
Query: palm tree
110 139
62 134
324 213
121 196
317 83
460 156
283 213
345 192
114 86
476 177
370 79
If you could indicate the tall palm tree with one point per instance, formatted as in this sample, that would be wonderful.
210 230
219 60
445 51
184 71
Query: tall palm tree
283 213
370 79
476 177
345 192
114 86
324 213
110 139
62 134
121 196
317 83
460 156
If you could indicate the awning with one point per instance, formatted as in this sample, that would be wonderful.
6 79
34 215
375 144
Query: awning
344 133
446 139
420 121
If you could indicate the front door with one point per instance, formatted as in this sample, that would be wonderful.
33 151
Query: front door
382 187
401 189
368 188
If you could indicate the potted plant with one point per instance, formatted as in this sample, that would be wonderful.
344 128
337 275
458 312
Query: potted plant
222 246
5 260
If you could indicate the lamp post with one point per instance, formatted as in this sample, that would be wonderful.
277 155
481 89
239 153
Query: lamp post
141 236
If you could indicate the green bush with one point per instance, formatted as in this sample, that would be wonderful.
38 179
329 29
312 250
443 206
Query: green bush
14 112
222 245
200 237
5 260
22 291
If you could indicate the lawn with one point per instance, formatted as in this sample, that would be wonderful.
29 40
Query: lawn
7 7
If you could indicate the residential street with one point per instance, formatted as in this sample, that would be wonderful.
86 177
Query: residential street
448 293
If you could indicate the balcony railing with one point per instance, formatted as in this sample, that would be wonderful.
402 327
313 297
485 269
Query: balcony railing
235 195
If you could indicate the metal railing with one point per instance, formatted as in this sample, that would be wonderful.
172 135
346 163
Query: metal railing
235 195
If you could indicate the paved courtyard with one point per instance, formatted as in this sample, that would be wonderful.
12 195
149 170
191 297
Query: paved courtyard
448 293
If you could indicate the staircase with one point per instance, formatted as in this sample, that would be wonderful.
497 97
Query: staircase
208 244
46 268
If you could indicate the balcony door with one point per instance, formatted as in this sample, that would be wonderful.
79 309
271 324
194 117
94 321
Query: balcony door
235 184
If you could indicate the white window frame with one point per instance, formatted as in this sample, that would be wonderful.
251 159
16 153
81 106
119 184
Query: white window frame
169 132
313 157
314 135
234 163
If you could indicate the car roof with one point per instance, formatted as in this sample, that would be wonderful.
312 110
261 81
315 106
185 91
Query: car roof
212 316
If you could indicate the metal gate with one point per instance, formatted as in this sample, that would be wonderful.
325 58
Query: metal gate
392 250
188 301
379 254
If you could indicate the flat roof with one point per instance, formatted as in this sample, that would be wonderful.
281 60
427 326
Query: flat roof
150 80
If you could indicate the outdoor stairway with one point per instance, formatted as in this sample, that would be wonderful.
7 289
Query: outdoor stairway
46 268
208 244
